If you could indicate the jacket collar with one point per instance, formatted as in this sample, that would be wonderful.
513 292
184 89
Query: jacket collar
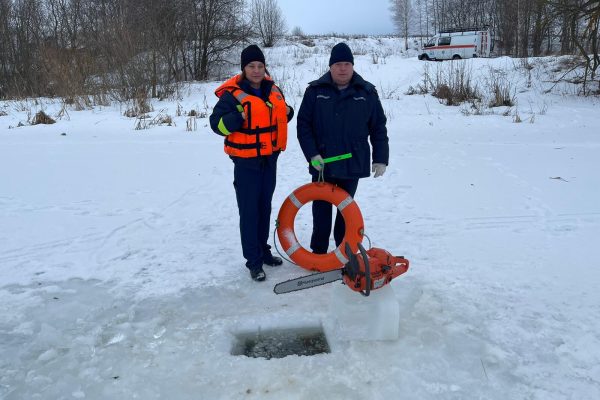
265 87
236 82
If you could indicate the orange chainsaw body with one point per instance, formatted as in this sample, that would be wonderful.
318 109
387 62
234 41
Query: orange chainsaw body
376 268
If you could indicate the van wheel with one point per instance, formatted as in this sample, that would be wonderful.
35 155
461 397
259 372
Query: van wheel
456 57
424 57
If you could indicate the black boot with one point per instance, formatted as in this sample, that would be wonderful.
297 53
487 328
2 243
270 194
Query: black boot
258 274
272 261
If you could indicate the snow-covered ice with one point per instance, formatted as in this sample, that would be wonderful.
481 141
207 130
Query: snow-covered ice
121 275
372 318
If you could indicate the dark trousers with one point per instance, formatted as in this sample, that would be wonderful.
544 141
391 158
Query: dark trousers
321 210
254 182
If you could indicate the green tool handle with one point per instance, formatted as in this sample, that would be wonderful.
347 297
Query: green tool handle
334 158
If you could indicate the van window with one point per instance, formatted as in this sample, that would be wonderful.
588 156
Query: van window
430 43
444 41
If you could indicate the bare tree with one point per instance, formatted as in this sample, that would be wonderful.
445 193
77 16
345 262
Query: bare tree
297 31
423 18
6 66
25 28
541 22
583 20
214 28
403 16
268 21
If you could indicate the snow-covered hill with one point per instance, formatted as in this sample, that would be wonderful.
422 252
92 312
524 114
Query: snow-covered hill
121 274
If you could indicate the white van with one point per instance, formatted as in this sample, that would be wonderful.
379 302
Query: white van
454 44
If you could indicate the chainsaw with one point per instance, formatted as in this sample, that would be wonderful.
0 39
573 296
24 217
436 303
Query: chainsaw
366 271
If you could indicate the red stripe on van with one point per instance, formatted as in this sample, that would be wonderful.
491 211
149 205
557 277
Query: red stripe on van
463 46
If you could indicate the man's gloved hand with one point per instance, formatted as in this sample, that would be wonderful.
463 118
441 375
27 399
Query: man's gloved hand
379 169
317 162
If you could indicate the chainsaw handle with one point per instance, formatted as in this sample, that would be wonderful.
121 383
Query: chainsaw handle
400 265
351 269
363 253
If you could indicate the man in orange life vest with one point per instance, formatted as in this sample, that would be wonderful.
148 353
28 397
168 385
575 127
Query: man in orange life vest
252 115
340 113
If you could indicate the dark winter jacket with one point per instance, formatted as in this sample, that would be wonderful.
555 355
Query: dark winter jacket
333 122
227 108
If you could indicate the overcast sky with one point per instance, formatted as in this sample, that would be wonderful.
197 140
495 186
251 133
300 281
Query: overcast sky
339 16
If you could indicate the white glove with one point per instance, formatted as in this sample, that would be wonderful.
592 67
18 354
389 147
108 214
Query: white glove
318 160
379 169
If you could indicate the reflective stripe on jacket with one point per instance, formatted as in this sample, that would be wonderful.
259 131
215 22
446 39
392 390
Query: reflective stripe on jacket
264 130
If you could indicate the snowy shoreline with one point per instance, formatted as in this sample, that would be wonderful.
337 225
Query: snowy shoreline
121 274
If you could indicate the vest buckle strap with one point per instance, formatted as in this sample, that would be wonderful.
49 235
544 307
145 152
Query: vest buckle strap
255 131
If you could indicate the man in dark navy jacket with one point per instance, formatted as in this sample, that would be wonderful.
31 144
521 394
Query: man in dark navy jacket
339 114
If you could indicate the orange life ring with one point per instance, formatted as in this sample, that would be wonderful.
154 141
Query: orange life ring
345 204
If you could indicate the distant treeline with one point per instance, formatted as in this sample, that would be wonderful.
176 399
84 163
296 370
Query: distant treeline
521 28
131 48
71 47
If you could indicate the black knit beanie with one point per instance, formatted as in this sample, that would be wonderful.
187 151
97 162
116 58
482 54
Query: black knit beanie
341 53
252 53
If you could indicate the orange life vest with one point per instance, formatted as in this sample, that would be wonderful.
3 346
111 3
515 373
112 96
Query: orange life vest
265 129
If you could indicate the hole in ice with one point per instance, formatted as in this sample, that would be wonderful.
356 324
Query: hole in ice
279 343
